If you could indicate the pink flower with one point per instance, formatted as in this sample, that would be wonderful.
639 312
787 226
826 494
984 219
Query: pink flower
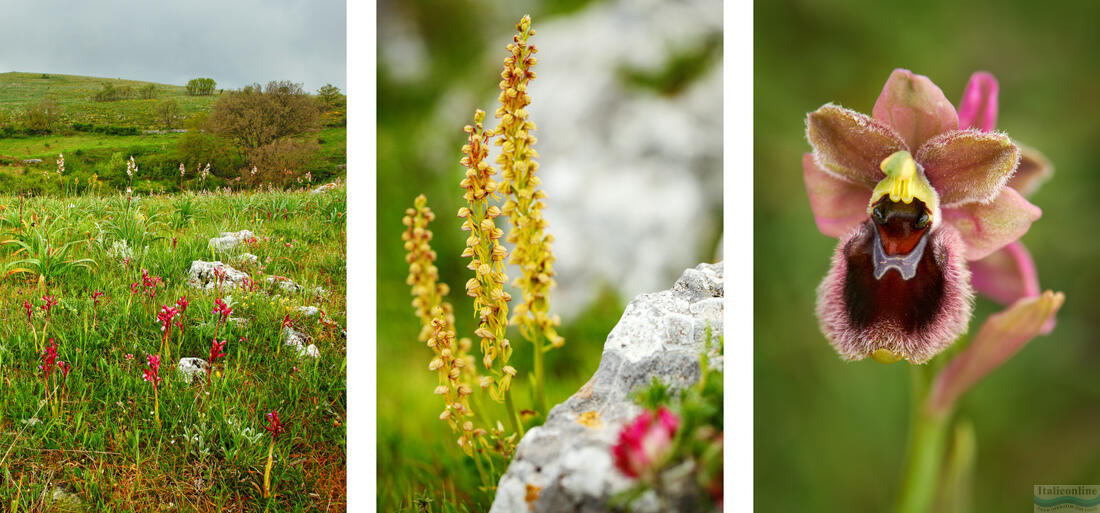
915 189
49 356
28 309
50 302
222 309
286 321
129 356
165 316
645 443
216 349
182 303
274 426
95 298
65 368
151 374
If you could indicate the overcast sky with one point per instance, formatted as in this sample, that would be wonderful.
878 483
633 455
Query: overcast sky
235 42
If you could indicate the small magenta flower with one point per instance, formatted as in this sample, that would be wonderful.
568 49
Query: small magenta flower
49 357
645 443
65 368
28 309
913 195
275 428
217 350
152 373
48 304
274 425
167 313
222 309
95 297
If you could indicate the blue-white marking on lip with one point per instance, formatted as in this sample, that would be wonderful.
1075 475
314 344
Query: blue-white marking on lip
905 264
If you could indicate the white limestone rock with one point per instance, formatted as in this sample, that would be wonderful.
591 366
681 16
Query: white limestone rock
191 367
229 240
659 335
202 275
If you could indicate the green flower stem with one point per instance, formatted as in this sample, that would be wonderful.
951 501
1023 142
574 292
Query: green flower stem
517 425
540 381
924 454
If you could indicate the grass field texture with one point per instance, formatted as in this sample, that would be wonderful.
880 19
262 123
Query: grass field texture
96 445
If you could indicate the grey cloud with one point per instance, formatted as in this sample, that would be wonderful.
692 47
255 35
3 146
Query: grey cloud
235 42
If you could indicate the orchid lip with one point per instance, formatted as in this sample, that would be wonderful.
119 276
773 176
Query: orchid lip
905 264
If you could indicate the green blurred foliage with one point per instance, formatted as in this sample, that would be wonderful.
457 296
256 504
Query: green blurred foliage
829 435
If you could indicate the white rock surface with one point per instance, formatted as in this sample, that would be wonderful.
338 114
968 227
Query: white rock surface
308 311
283 284
202 275
325 188
246 259
230 240
298 340
659 335
191 367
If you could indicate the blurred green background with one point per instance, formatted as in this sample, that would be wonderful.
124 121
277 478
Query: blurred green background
428 50
830 435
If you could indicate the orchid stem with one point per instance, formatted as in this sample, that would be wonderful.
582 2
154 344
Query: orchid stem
513 416
540 383
924 454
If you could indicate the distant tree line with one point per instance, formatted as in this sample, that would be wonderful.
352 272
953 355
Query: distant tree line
201 86
110 93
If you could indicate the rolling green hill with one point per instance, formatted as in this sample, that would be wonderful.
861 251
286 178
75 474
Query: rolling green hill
97 136
74 96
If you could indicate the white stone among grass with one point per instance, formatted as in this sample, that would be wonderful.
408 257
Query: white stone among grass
298 340
229 240
325 188
308 311
660 335
191 367
284 284
202 275
246 259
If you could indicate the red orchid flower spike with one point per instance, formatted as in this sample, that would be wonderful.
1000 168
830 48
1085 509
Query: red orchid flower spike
151 374
217 350
275 426
222 309
49 357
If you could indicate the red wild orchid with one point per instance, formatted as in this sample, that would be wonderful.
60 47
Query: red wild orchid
167 313
216 351
28 309
49 303
645 443
182 303
275 428
222 309
95 297
274 425
49 357
152 373
65 368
